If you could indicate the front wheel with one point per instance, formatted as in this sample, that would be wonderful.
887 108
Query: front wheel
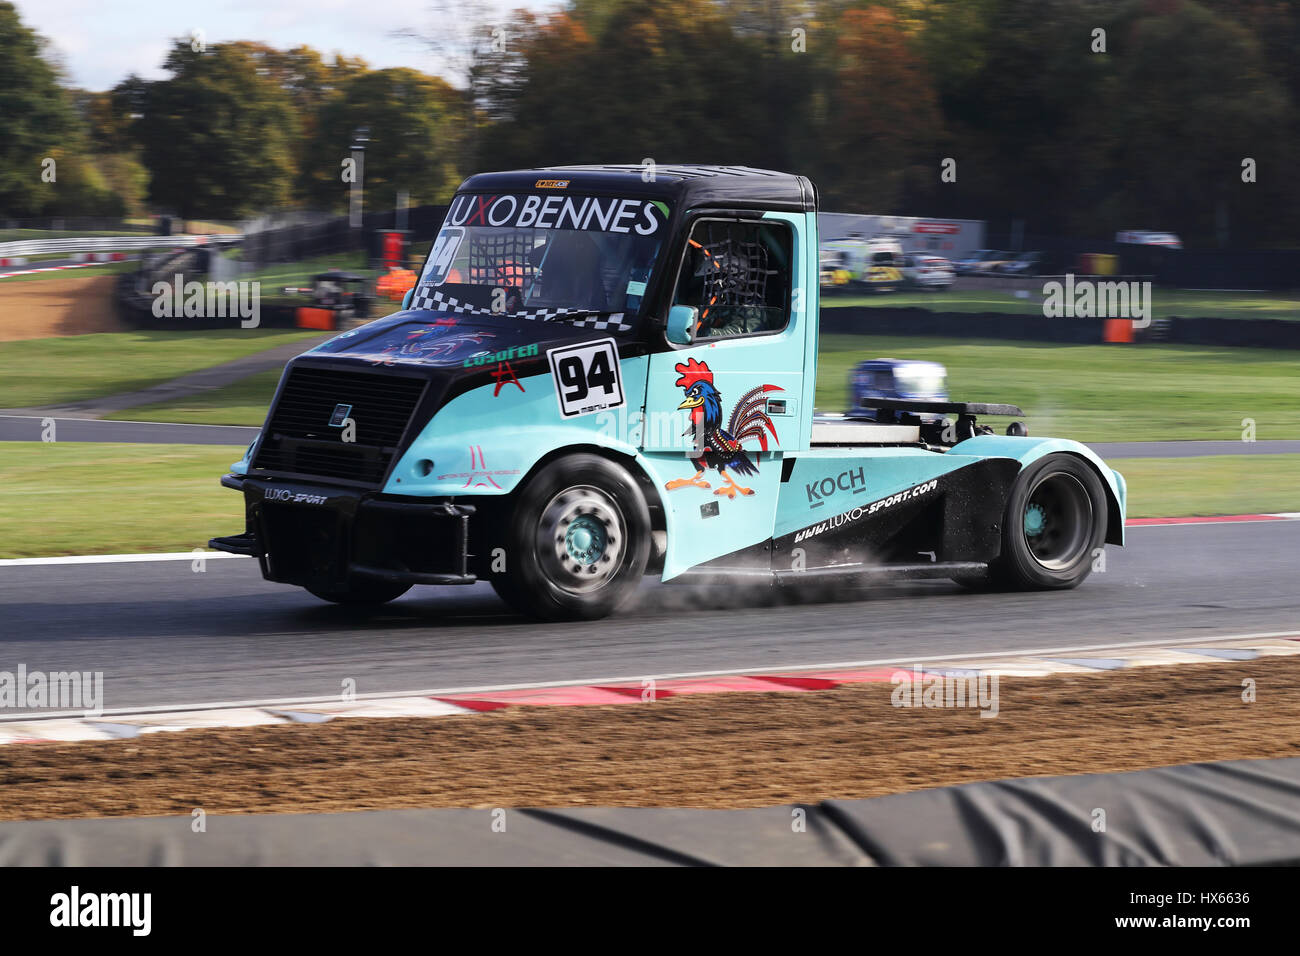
577 542
1054 526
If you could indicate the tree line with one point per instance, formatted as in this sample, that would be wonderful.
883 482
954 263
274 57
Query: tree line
1077 117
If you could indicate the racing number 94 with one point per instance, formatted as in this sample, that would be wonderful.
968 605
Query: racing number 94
586 377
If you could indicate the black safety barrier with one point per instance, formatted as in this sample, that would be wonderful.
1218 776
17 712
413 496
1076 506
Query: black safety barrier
309 240
1226 268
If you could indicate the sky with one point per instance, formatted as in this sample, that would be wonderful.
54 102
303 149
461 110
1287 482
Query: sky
99 42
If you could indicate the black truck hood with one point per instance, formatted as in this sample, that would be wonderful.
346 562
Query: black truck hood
455 353
444 340
370 370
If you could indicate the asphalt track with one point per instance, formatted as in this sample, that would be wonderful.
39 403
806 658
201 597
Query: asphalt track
165 635
32 428
29 428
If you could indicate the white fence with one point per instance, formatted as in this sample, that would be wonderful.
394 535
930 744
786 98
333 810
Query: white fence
36 247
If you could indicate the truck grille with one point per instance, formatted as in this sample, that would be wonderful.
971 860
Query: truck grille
299 439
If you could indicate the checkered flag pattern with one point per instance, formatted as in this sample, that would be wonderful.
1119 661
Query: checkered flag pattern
435 301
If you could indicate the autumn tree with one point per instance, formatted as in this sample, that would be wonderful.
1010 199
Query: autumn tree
44 166
413 139
885 117
218 134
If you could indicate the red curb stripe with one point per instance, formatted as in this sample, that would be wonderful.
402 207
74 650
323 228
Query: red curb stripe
477 705
540 697
717 685
1210 519
740 683
800 682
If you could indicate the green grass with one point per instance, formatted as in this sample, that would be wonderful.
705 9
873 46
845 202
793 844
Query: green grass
1165 302
57 370
74 498
87 498
1218 485
242 403
298 274
1097 392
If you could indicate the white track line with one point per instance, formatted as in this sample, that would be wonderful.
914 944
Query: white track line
289 702
119 558
1265 519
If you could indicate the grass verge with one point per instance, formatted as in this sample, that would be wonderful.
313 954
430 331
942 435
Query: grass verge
1215 485
1096 393
241 403
90 498
51 371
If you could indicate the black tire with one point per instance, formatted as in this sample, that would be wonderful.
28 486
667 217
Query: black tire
577 541
1054 523
361 591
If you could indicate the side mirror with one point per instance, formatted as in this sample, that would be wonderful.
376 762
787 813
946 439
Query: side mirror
681 324
406 299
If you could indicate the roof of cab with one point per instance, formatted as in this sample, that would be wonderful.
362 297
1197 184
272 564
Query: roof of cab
689 186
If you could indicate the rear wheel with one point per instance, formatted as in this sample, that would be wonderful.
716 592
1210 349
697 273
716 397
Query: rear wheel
1054 524
578 541
361 591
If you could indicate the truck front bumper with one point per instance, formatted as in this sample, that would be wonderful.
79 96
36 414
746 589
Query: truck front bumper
323 536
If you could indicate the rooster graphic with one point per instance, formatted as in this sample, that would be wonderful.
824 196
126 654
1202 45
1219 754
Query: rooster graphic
720 447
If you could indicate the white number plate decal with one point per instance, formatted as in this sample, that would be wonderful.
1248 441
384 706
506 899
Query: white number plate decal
586 377
444 252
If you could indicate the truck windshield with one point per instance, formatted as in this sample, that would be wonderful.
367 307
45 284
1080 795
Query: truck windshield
922 381
536 256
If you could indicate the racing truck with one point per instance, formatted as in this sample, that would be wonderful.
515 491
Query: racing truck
602 375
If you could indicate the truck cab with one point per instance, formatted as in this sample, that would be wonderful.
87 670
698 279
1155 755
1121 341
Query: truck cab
888 378
602 374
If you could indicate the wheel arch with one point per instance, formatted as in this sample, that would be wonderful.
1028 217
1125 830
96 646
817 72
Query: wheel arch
1027 450
634 466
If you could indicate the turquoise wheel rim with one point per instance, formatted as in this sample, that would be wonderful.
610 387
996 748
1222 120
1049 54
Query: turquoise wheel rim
581 539
1058 521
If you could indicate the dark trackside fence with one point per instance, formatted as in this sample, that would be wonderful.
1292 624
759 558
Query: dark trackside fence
1244 269
309 240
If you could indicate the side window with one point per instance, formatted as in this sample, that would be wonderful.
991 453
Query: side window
738 275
